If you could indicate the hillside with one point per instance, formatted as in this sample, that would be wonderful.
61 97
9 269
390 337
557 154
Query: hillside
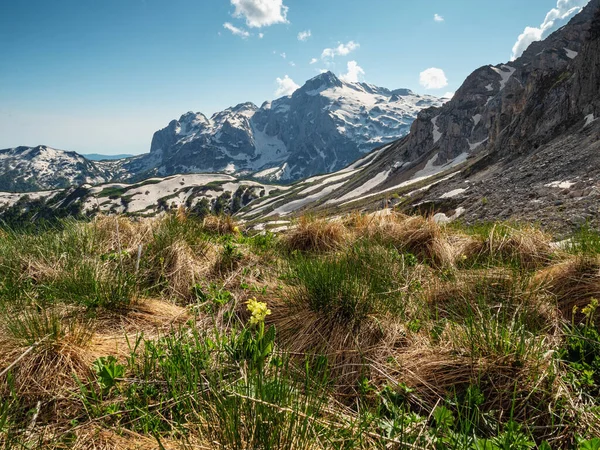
199 193
518 141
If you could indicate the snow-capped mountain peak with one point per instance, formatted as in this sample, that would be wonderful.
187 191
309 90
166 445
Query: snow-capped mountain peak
323 126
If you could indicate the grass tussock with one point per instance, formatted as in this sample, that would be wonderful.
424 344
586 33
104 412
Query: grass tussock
220 225
572 283
316 235
368 331
526 247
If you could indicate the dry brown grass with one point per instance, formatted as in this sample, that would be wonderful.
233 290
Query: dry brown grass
528 246
316 235
438 374
348 348
469 290
46 369
117 233
221 225
418 235
572 283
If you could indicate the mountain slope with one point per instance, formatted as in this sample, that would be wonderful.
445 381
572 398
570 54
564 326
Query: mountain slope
218 193
504 146
38 168
322 127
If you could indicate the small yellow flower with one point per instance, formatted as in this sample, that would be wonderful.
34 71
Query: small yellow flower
236 230
590 309
259 311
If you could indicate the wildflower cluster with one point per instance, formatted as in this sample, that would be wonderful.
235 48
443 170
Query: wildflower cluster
259 311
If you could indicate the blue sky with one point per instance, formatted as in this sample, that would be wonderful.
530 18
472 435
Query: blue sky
102 76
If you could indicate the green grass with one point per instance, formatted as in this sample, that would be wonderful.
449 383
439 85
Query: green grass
348 287
467 356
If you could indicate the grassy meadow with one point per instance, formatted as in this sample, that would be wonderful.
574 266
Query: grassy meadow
379 331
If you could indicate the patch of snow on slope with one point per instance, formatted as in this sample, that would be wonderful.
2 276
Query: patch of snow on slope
489 87
290 207
476 144
431 169
370 156
504 74
453 193
436 131
328 180
402 185
364 188
560 184
476 119
270 148
571 53
588 120
148 195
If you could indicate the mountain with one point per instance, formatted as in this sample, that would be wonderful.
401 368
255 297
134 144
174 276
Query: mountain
519 140
99 157
27 169
322 127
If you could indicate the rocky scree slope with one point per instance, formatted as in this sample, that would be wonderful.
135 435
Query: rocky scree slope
322 127
518 141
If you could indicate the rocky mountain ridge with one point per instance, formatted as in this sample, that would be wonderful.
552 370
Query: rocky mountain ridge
322 127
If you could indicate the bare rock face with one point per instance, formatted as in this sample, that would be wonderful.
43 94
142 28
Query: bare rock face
541 159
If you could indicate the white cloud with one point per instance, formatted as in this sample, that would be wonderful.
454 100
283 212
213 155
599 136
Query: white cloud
260 13
283 55
285 86
340 50
555 18
438 18
313 61
304 35
261 35
236 31
355 73
292 63
433 78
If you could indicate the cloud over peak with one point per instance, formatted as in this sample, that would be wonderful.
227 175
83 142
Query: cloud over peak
340 50
433 78
285 86
355 73
260 13
555 18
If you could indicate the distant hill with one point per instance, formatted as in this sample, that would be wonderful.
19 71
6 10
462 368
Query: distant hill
99 157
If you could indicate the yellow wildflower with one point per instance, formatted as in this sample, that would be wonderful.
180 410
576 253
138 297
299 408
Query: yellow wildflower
259 311
590 309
